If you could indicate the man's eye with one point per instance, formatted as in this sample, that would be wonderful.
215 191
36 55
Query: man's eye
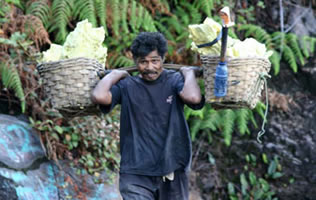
155 61
143 62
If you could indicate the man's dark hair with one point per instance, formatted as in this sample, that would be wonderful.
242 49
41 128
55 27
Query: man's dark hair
146 42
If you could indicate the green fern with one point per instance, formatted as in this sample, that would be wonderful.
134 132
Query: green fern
294 45
195 16
11 79
133 17
85 9
212 120
148 22
313 43
242 118
41 10
275 61
258 33
120 61
205 5
62 12
163 29
227 126
305 46
289 56
124 6
115 16
195 128
101 12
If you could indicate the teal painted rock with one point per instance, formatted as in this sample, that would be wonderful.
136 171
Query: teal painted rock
25 173
19 144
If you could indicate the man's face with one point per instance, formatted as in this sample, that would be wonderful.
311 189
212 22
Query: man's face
150 66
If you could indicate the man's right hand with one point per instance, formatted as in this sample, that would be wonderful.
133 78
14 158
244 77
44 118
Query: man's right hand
121 74
101 93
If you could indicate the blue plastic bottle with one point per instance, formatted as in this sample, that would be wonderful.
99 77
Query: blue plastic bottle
221 74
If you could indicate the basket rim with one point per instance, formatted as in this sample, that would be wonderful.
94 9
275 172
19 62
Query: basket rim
66 60
228 58
40 67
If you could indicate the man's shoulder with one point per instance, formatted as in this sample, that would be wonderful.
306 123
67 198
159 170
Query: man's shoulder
172 73
127 81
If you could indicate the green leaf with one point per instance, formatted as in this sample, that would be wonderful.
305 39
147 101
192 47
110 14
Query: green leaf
58 129
265 158
74 137
252 178
54 135
272 168
258 194
75 144
90 163
277 175
211 158
231 189
244 184
264 184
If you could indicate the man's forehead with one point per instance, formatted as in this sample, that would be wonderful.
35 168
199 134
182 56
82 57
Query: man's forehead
150 57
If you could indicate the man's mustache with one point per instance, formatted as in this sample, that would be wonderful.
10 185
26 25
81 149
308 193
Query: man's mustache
149 72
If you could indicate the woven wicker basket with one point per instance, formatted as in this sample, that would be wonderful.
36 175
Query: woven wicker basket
68 85
245 82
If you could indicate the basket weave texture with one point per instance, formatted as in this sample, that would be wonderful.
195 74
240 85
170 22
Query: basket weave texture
68 84
244 83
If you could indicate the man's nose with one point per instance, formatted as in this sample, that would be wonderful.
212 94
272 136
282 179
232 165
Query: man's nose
150 65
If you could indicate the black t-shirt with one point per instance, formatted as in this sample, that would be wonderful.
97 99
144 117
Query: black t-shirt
154 135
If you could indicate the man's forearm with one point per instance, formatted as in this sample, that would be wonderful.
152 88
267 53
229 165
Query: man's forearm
101 93
191 91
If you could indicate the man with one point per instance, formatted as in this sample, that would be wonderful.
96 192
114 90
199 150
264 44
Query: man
155 142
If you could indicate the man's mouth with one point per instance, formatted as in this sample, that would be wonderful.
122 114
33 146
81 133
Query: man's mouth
149 73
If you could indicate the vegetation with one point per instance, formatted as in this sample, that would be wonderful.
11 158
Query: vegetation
28 27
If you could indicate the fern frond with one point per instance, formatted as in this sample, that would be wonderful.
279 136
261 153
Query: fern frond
196 113
228 119
100 6
260 108
62 12
276 38
133 17
41 10
205 5
162 28
120 61
212 120
258 33
294 45
195 128
194 13
289 56
140 15
304 45
312 44
84 9
148 22
252 118
124 6
115 16
275 59
242 118
173 23
11 79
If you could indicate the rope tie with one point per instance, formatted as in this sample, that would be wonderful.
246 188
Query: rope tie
263 76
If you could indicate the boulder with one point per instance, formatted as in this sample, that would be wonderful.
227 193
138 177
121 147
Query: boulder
26 174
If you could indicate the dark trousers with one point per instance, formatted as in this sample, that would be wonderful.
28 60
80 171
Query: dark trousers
139 187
